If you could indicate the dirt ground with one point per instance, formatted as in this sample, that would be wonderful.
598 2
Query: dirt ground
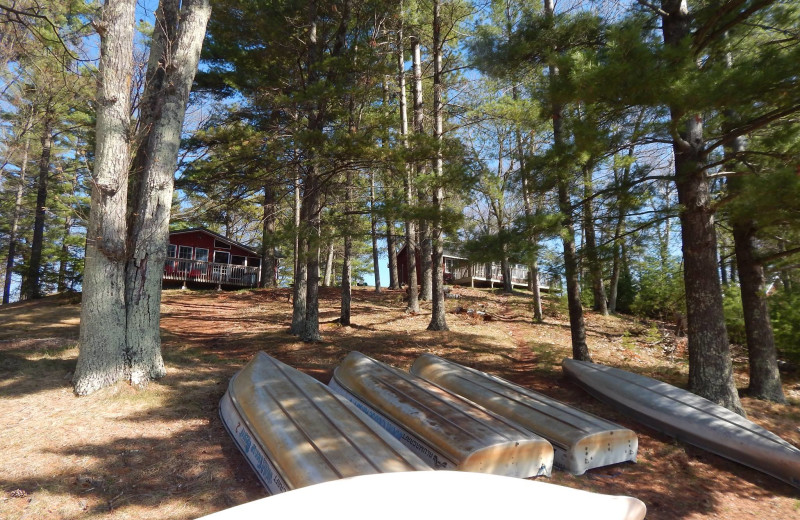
161 452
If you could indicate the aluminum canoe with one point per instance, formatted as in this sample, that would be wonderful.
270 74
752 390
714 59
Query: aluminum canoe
295 432
435 495
689 418
581 441
446 430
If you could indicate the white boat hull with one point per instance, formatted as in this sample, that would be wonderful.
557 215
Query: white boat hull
436 496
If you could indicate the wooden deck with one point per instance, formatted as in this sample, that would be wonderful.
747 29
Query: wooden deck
212 273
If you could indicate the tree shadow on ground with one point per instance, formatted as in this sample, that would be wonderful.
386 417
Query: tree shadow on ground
175 451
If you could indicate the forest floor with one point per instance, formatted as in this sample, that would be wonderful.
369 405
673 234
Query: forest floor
162 453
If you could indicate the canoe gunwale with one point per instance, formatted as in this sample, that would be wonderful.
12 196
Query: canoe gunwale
267 472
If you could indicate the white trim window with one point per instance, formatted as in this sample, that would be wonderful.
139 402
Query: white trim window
171 250
201 254
185 252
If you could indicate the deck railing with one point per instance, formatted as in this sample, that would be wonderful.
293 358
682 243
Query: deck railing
211 272
519 275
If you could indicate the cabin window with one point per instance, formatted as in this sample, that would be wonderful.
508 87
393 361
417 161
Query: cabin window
222 257
171 250
237 260
185 252
221 245
201 254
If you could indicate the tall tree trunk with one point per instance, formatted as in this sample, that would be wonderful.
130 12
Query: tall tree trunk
391 247
300 266
103 316
63 260
592 256
426 256
411 228
577 325
347 290
423 236
538 317
31 287
710 369
269 263
312 200
148 234
327 279
376 266
438 315
12 237
616 266
765 378
505 267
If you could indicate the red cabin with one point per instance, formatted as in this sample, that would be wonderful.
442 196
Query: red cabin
198 256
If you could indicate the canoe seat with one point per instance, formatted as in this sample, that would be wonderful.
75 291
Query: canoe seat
581 440
447 431
295 432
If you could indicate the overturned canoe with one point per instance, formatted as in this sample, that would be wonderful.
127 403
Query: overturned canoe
435 495
295 432
447 431
581 441
689 418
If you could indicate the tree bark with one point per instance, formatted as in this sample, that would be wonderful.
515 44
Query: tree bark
592 256
538 317
62 264
423 236
577 325
31 287
426 256
376 266
616 265
326 281
269 263
411 228
710 369
12 237
391 247
300 273
438 314
347 290
312 200
765 379
149 231
103 315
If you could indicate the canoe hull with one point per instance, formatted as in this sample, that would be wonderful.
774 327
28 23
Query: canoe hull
294 431
689 418
581 441
446 430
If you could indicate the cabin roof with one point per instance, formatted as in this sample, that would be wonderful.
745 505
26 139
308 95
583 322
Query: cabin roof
217 236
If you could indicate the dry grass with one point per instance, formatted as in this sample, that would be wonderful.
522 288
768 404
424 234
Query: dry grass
161 452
